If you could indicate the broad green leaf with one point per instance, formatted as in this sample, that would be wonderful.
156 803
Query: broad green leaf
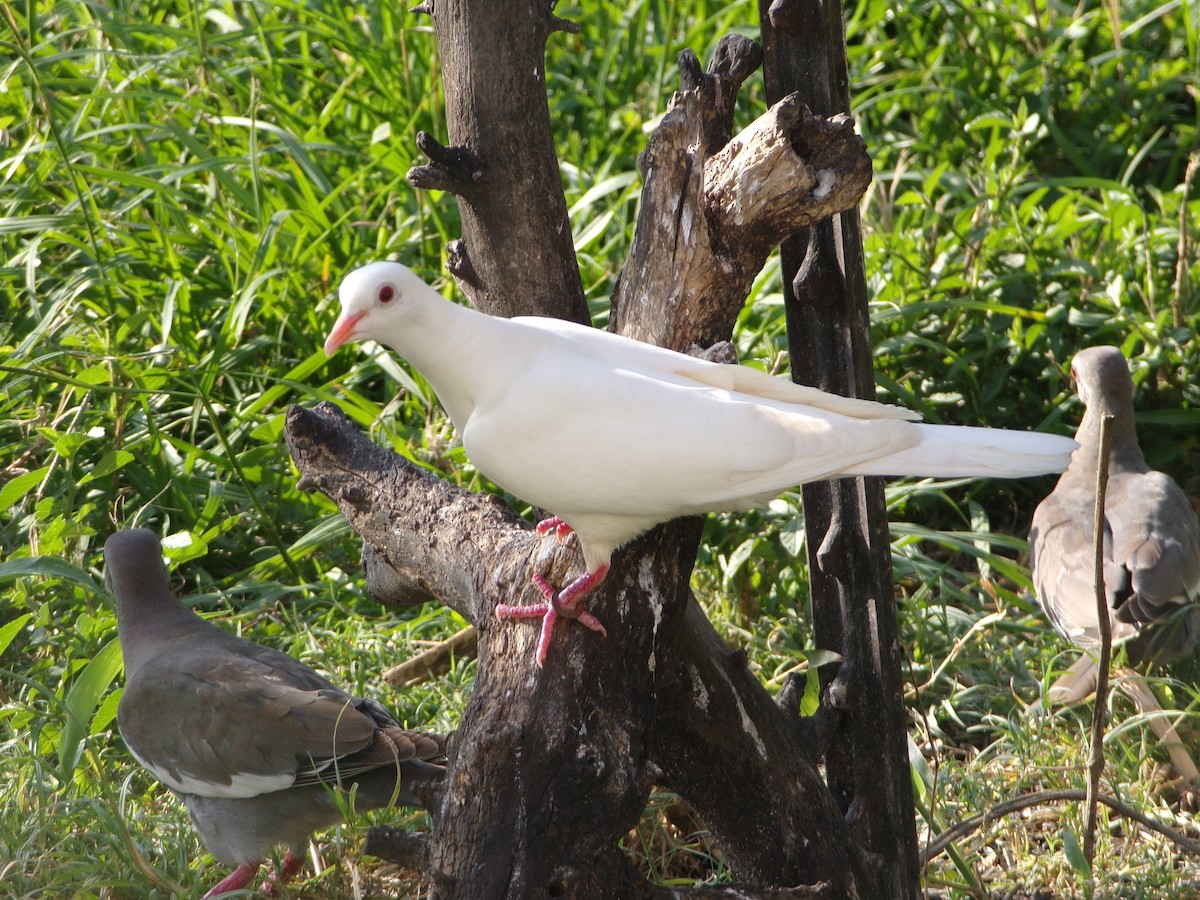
792 537
738 558
981 524
1073 851
811 701
83 697
47 567
922 776
10 629
18 487
183 546
106 711
66 443
97 374
109 463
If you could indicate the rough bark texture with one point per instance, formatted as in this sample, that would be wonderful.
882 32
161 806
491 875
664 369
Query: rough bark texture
551 767
501 160
714 213
593 706
845 520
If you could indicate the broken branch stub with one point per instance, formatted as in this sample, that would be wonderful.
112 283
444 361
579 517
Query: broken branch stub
715 220
784 172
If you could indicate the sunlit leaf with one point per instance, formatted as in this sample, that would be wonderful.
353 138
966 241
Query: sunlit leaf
81 701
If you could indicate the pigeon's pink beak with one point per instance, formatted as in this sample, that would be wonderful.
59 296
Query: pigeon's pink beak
343 331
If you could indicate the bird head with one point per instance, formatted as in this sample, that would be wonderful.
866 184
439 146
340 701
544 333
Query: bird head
148 613
1100 370
132 561
373 299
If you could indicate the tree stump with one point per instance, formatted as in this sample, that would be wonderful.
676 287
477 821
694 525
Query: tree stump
551 767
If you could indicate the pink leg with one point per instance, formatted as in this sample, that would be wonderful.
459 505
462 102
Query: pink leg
565 605
291 865
547 632
234 881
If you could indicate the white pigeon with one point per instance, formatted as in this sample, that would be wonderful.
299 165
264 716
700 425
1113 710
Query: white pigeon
613 436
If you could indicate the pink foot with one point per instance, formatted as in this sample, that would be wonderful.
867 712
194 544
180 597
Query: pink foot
234 881
561 529
291 865
562 604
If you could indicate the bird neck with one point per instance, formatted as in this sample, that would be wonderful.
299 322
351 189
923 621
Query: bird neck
149 622
469 334
1126 454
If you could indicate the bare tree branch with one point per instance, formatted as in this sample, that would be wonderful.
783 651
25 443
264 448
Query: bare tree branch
1104 629
1039 798
551 767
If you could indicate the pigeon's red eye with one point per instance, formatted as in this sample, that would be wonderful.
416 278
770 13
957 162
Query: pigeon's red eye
386 294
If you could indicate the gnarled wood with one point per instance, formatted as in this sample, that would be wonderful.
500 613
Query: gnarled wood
845 520
714 221
515 226
550 768
470 552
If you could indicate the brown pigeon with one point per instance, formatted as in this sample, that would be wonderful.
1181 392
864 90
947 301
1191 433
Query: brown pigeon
257 745
1151 543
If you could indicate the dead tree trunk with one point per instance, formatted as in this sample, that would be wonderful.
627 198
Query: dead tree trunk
849 557
551 767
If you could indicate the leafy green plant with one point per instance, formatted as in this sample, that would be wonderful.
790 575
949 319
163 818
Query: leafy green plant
182 186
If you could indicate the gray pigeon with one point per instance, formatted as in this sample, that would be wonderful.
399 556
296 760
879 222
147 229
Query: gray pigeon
1151 541
256 744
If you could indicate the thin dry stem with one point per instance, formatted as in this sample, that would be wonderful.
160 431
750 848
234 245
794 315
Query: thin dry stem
1038 798
434 661
1182 278
1096 758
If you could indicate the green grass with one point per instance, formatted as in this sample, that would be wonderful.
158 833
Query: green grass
182 186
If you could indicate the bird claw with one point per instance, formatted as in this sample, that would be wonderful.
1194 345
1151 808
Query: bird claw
234 881
586 618
562 531
545 587
564 604
545 526
291 865
512 611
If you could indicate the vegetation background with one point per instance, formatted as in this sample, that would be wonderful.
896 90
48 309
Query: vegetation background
182 185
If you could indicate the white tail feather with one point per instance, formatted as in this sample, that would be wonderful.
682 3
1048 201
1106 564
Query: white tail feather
953 451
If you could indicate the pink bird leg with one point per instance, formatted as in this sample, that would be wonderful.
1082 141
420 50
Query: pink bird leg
558 604
291 865
244 874
234 881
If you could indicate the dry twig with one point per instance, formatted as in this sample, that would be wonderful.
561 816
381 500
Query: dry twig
1104 626
1016 804
434 661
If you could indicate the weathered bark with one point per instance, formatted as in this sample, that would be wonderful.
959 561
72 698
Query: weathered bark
759 793
516 256
717 217
761 797
845 520
550 768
